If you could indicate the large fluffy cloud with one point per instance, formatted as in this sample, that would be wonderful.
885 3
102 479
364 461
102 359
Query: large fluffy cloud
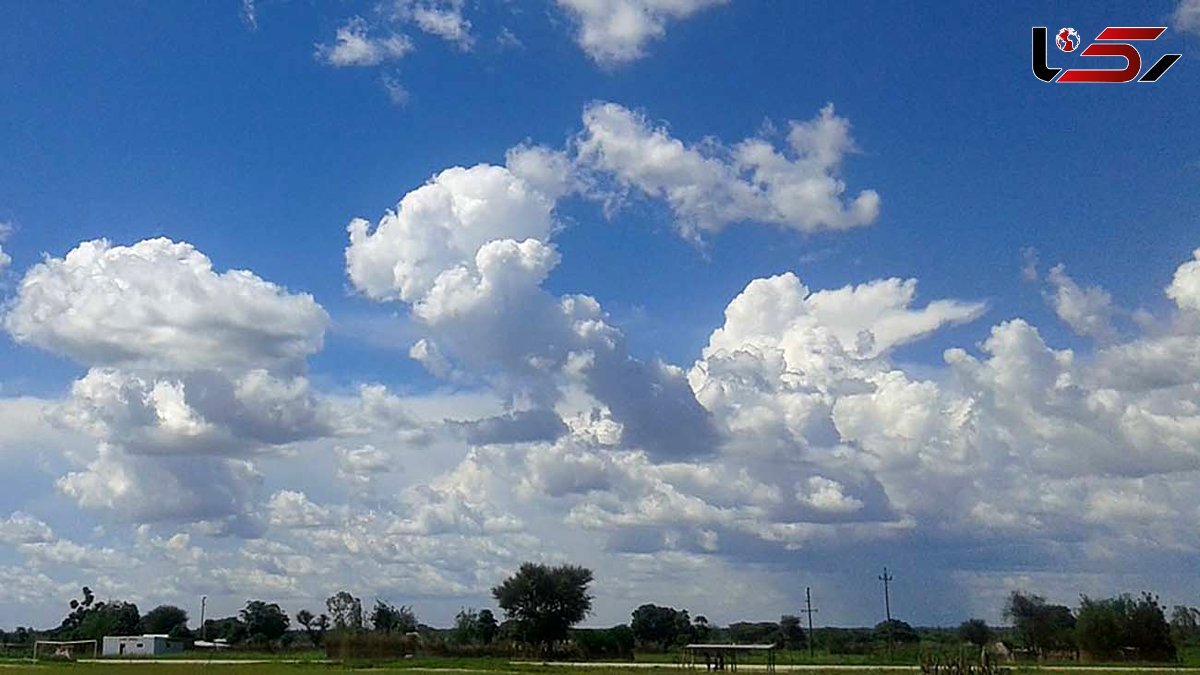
192 374
712 186
468 252
159 304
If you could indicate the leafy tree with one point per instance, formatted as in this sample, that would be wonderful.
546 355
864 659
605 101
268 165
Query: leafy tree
345 611
1185 624
615 642
655 625
790 632
165 620
545 601
264 622
753 632
466 626
975 631
486 625
896 630
388 618
314 626
230 629
701 628
1099 626
109 618
1146 628
1039 625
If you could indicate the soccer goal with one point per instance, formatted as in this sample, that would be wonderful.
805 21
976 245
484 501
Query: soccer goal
65 650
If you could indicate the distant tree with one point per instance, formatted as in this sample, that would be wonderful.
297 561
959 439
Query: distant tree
466 627
1039 625
701 628
345 611
109 618
165 620
487 626
1099 625
790 632
265 622
975 631
79 610
754 632
895 630
230 629
655 625
1147 630
1185 624
314 626
545 601
387 618
623 639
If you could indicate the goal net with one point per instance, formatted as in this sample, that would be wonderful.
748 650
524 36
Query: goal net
65 650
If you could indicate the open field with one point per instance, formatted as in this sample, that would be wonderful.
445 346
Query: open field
259 666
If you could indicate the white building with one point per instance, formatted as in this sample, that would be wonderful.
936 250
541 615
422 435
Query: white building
141 645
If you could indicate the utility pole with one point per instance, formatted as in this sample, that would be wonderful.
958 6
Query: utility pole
809 610
203 603
887 605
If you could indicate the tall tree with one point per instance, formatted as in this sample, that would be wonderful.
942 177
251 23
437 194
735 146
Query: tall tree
265 622
314 626
1040 626
387 618
110 618
545 601
487 626
1185 624
655 625
345 611
165 620
790 632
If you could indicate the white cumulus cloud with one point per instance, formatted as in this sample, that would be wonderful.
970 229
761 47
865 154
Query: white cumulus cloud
613 32
711 186
160 304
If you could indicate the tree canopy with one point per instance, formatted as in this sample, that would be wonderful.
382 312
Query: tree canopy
661 626
1040 626
975 631
1110 627
264 622
166 620
544 602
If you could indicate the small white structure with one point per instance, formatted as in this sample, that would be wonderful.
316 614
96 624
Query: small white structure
141 645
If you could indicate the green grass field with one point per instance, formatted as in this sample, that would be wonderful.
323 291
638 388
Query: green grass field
462 666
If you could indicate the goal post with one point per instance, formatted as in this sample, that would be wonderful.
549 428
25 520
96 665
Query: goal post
68 650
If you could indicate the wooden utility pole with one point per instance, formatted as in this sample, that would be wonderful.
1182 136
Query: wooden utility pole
887 605
809 610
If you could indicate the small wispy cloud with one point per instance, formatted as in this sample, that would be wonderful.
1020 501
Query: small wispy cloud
354 46
396 91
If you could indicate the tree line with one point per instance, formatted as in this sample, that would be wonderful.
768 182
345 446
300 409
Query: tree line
542 604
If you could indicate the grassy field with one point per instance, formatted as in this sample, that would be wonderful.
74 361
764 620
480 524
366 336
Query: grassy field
311 663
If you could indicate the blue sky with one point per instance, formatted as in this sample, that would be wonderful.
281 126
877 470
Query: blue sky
238 129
